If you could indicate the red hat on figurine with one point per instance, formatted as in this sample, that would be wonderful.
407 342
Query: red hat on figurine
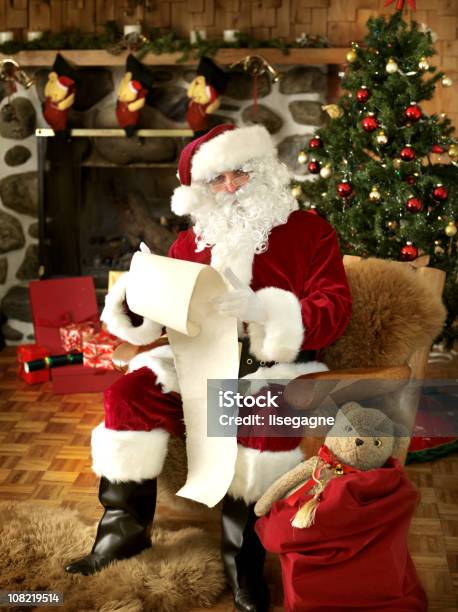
65 82
224 148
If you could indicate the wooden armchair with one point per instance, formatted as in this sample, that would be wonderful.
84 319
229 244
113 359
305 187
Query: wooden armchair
422 287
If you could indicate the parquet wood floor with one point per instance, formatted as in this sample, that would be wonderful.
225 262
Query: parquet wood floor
45 457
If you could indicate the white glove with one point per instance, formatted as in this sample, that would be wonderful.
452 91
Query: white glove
242 303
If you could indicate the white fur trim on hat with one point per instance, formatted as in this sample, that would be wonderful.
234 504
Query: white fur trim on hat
230 150
280 337
186 199
119 323
122 456
256 470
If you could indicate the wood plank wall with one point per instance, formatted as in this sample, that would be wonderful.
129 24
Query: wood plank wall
340 20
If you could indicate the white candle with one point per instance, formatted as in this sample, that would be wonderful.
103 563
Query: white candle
31 36
230 35
6 37
132 28
193 36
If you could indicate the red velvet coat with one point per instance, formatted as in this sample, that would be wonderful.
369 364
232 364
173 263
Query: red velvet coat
354 558
302 258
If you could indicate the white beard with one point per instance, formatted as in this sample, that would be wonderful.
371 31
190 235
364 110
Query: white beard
237 225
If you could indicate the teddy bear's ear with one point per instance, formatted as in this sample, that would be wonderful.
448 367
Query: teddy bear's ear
349 407
52 76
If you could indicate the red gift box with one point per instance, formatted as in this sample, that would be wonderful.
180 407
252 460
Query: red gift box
59 302
54 304
71 335
29 352
98 350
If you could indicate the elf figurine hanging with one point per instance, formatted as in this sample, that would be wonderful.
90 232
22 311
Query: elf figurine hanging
205 93
132 92
59 96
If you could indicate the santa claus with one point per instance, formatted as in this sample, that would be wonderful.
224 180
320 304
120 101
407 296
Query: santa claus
287 288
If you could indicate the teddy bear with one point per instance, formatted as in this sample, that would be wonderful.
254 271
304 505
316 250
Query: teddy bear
59 98
133 90
204 93
339 521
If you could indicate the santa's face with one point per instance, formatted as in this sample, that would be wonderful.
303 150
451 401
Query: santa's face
229 181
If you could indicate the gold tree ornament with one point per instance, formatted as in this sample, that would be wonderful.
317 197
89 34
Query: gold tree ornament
302 157
423 64
391 66
333 110
374 195
351 56
296 191
326 171
453 151
381 138
451 229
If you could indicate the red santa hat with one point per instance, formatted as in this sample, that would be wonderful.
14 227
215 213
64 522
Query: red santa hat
65 82
222 149
135 86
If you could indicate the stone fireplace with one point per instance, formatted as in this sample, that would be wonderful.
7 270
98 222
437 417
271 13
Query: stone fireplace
101 196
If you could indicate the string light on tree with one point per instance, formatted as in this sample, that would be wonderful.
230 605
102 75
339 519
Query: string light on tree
446 81
438 249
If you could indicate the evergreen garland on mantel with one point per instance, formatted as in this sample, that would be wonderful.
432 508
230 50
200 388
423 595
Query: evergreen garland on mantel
153 41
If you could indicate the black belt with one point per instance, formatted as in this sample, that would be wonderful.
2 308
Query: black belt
249 363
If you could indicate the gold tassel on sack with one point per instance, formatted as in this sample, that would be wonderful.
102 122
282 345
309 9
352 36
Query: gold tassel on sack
305 516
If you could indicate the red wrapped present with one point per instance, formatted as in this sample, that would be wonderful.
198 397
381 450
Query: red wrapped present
56 303
71 335
98 350
28 352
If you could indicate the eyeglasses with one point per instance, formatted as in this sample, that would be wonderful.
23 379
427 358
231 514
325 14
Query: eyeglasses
236 177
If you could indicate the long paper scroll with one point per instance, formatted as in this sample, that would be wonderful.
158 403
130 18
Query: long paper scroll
176 294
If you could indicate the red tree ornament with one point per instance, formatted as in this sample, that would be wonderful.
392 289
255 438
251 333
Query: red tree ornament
409 252
410 179
436 148
313 166
413 112
414 205
369 123
344 189
362 95
315 143
440 193
407 154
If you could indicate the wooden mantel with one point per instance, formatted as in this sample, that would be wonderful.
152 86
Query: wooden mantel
97 57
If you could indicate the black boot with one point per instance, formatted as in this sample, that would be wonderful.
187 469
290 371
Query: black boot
243 556
123 530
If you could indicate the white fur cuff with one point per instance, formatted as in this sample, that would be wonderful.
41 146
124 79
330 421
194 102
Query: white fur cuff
122 456
280 337
160 361
118 322
256 470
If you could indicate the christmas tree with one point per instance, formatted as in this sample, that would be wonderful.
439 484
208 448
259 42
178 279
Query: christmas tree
377 183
